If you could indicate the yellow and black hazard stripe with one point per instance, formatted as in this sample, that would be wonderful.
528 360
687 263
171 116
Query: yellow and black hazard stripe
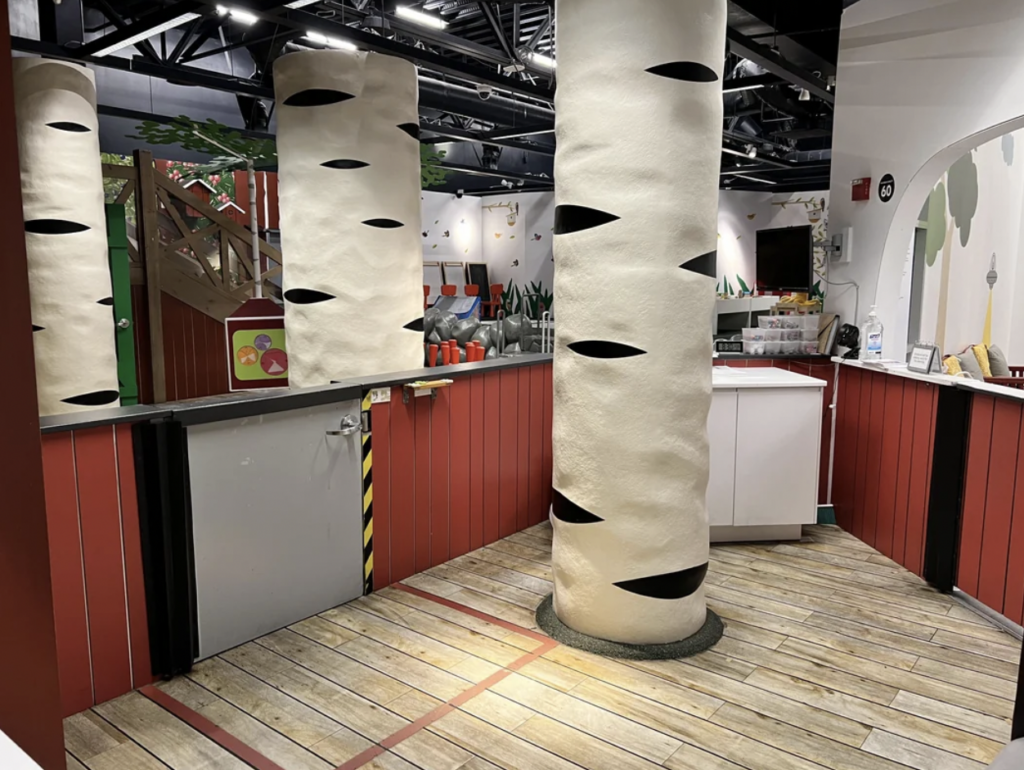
367 496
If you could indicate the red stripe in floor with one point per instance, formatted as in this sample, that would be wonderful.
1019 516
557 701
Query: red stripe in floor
256 760
475 613
216 734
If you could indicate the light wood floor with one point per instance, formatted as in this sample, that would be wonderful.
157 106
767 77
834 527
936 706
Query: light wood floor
833 657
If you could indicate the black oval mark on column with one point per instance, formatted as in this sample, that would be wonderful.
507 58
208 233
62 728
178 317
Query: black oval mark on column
67 125
415 326
38 328
344 163
605 349
671 585
572 219
690 71
54 227
96 398
566 510
705 264
385 224
317 97
412 129
307 296
108 301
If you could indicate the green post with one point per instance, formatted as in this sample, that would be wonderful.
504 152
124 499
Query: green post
120 278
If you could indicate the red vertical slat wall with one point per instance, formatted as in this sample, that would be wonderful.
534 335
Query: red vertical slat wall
991 560
98 584
882 470
195 350
458 472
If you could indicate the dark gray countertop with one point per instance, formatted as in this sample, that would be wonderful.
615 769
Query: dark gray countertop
238 405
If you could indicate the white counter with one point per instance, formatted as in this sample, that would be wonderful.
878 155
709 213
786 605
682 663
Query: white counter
765 435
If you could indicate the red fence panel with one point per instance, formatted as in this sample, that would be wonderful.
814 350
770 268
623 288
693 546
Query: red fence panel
458 472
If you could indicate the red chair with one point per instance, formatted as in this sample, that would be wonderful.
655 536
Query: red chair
449 290
426 294
490 307
472 290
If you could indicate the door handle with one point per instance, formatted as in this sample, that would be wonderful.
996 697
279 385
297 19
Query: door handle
349 424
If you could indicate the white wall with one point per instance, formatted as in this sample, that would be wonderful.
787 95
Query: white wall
450 230
920 82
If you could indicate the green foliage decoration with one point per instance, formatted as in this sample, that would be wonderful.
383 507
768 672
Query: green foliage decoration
936 237
963 195
206 136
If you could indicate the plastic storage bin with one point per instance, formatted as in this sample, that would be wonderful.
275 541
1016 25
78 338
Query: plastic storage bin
773 347
754 348
769 322
809 348
809 335
791 347
753 335
773 335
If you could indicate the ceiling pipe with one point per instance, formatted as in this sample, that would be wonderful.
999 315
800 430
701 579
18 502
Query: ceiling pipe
438 95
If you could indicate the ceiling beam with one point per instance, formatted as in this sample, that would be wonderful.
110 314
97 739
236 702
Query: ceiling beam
762 55
373 42
499 31
498 173
154 22
462 135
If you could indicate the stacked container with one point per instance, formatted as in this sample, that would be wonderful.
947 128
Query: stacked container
783 335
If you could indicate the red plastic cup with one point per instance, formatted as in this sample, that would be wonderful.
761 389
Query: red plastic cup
432 356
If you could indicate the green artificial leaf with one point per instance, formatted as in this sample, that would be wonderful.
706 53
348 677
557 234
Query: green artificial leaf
936 236
743 286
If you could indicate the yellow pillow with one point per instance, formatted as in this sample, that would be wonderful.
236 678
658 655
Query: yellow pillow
981 353
952 365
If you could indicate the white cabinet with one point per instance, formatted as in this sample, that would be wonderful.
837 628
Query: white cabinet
764 429
722 435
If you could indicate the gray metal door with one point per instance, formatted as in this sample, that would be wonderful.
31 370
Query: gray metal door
277 520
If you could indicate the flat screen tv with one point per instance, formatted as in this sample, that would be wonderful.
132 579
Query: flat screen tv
785 259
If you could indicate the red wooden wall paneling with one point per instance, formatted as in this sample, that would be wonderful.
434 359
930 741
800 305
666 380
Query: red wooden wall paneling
508 450
882 472
440 463
995 541
100 513
491 447
459 479
67 573
98 583
455 473
476 462
893 428
380 422
195 350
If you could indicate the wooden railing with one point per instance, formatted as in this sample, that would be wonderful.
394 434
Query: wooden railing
181 245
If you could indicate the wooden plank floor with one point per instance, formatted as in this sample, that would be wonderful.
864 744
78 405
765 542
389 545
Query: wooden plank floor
833 657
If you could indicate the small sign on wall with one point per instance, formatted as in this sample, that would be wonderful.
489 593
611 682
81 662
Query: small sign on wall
862 189
257 356
886 188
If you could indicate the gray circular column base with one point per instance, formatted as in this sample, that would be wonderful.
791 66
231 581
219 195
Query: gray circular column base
706 638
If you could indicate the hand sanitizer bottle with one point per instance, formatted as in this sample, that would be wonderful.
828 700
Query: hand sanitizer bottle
871 337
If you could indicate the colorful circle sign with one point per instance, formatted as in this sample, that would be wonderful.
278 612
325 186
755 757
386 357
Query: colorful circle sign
263 342
275 362
248 356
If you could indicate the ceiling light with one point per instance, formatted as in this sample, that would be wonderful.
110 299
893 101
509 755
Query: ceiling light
755 179
735 89
238 15
147 33
411 14
751 151
734 152
301 3
805 95
333 42
543 61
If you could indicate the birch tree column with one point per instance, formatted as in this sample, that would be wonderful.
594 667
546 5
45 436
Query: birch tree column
349 164
639 128
65 236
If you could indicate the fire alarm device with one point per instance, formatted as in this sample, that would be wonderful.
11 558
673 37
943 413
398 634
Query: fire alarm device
862 189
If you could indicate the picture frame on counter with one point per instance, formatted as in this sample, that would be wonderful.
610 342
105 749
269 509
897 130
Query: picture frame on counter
924 359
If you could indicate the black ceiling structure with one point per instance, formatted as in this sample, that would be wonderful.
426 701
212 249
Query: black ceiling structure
486 69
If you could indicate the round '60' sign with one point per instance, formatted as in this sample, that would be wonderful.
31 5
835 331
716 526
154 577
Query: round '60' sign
886 188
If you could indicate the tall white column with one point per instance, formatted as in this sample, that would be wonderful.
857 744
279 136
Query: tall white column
639 129
65 236
349 165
